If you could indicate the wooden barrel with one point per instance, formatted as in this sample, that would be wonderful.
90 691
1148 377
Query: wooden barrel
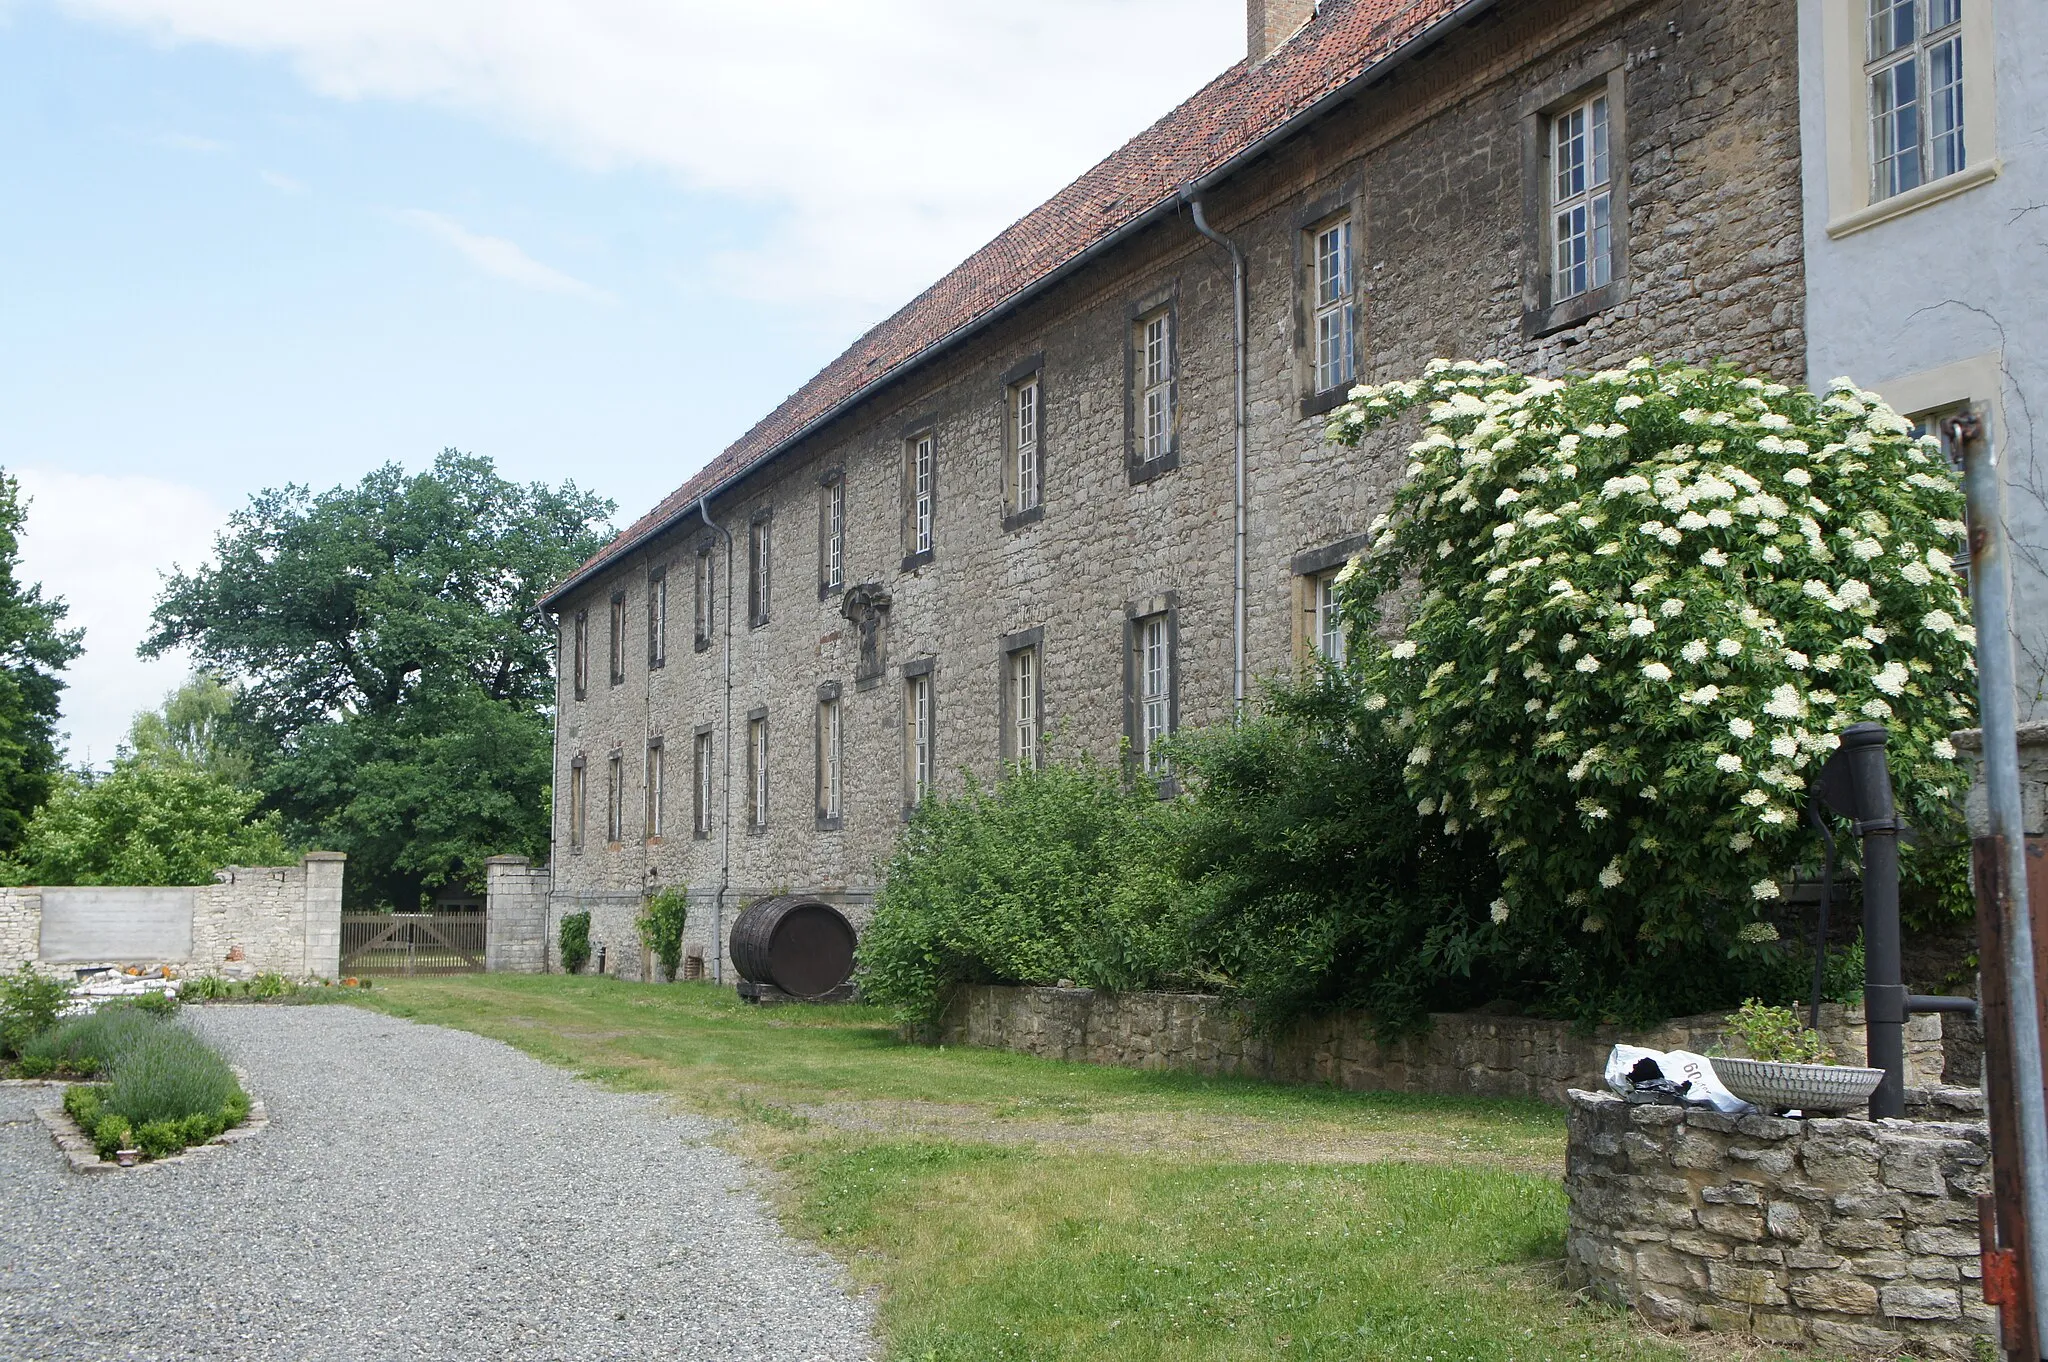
803 946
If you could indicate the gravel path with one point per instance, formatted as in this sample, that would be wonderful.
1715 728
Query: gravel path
420 1193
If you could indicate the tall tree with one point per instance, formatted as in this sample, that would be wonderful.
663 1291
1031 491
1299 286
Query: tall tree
393 664
33 650
193 727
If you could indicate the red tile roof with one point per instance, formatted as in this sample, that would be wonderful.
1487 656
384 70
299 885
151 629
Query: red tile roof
1226 119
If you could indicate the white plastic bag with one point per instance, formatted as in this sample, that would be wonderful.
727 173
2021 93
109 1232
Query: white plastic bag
1680 1066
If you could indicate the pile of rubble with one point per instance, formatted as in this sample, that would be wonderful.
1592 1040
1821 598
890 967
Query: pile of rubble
98 983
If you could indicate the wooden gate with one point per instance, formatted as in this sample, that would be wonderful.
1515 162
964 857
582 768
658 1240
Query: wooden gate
412 943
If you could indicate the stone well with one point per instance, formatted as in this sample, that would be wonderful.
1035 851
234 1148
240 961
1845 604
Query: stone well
1857 1236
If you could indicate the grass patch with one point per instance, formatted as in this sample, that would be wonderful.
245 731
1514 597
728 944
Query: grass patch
1016 1208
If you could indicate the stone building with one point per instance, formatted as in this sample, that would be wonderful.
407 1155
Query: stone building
1926 169
1018 518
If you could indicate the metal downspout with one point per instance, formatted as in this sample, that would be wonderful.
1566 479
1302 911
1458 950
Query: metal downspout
1990 607
1239 349
725 823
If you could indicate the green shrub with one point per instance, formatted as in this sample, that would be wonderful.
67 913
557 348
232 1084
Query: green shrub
661 922
270 984
167 1074
91 1045
1626 617
207 988
29 1004
1314 884
1776 1033
1064 872
162 1004
573 936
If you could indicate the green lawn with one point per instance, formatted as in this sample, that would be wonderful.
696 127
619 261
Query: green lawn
1014 1208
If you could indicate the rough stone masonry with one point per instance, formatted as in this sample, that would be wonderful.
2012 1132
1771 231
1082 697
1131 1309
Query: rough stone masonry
1858 1236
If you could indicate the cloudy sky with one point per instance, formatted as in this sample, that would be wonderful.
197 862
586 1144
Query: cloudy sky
247 242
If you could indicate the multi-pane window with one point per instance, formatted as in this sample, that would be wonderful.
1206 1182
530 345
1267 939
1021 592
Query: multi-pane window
1582 198
580 652
832 535
615 799
1328 619
618 640
706 592
577 796
657 779
760 553
918 733
757 771
657 617
701 787
1155 378
1915 68
1022 742
1336 311
831 785
923 472
1153 669
1024 417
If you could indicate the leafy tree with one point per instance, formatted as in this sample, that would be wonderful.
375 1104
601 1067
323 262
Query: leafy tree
33 649
395 669
193 727
144 823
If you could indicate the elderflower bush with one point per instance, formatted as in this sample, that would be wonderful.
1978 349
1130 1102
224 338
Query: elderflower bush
1634 612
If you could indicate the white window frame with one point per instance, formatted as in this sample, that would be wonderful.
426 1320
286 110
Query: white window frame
1026 685
1153 682
760 569
1848 69
1581 186
703 787
580 655
657 781
615 800
706 582
1155 385
1327 618
1335 317
757 772
1027 415
835 534
657 618
918 736
924 473
579 795
1910 43
831 777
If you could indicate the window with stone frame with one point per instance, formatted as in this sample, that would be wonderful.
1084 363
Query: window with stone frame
701 784
615 800
1023 696
706 592
1327 636
1024 430
578 795
618 639
656 788
831 533
657 617
757 771
920 497
579 648
918 734
760 568
1914 70
1333 320
1152 706
1319 623
1154 386
831 752
1575 164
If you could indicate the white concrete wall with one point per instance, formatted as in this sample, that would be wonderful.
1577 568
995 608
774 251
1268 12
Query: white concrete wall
1949 299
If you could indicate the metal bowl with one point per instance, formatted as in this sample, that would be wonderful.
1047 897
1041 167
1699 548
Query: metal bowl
1808 1087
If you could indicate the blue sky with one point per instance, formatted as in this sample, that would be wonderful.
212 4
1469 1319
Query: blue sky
246 242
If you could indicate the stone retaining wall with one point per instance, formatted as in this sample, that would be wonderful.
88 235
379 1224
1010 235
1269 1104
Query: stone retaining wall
1461 1052
1852 1235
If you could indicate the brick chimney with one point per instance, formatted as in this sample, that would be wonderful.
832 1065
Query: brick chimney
1269 23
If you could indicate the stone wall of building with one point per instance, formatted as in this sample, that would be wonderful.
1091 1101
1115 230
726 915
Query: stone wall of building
252 919
1461 1052
1430 171
516 923
1854 1236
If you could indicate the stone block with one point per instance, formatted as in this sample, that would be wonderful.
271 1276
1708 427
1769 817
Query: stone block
1861 1235
1942 1240
1774 1163
1858 1339
1834 1291
1667 1308
1666 1268
1813 1260
1653 1118
1871 1205
1749 1285
1700 1246
1732 1194
1911 1300
1936 1270
1696 1151
1913 1166
1783 1220
1733 1222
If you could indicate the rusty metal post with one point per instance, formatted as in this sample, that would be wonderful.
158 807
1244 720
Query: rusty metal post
1990 607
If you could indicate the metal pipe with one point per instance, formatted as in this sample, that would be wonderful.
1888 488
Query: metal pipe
1884 996
1827 898
1239 355
1990 606
725 823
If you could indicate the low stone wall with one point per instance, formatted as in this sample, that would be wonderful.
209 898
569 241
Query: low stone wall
252 919
1461 1052
1852 1235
